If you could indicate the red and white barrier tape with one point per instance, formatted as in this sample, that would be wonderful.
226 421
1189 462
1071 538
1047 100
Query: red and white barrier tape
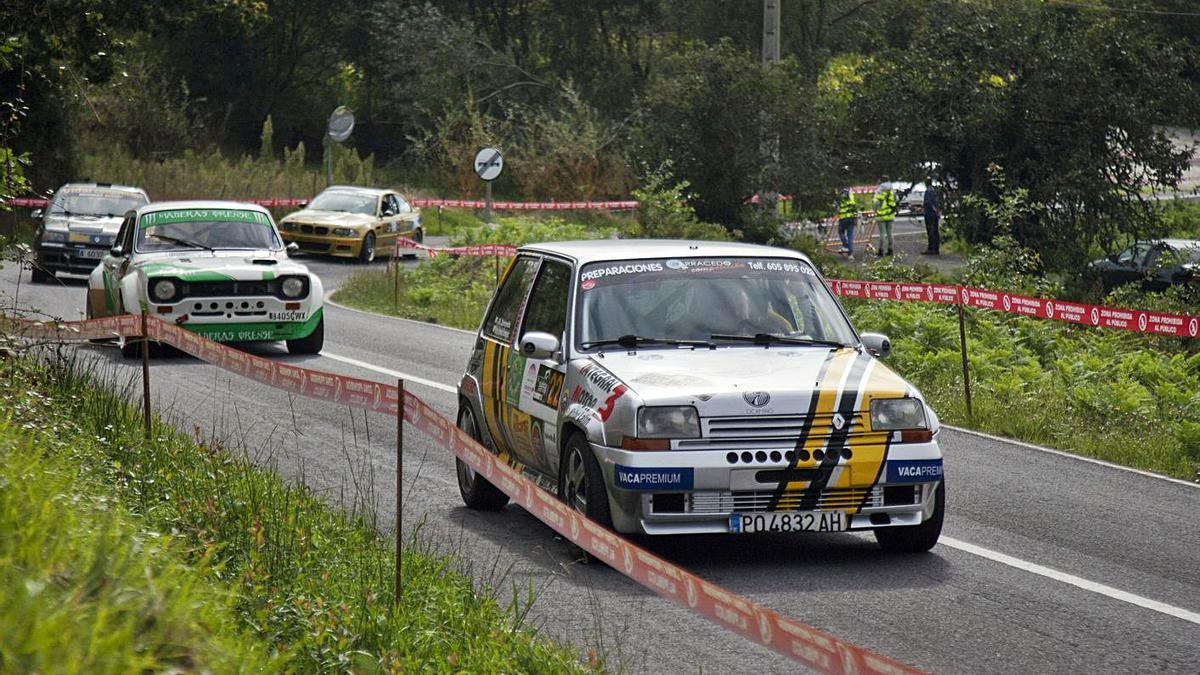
801 643
476 250
1157 323
460 203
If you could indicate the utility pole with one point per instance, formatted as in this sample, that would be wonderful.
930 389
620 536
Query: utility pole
768 195
770 39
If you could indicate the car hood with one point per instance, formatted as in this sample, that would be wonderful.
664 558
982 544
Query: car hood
85 224
331 218
738 380
220 266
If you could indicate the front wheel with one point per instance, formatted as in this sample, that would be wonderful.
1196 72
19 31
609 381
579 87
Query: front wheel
477 493
367 253
40 275
310 344
581 483
916 538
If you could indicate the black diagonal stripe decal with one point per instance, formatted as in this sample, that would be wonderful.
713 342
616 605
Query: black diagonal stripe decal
792 472
837 439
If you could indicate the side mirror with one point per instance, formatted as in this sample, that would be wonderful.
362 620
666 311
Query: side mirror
36 214
292 248
538 345
117 251
877 345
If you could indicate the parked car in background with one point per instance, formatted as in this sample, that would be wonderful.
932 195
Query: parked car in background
219 269
1157 264
688 387
79 226
353 222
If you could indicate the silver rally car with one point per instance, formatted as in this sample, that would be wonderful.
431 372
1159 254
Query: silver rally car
673 387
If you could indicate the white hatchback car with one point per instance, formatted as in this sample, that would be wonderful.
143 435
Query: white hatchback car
217 268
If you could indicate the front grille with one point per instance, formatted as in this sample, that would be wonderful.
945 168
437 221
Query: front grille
769 432
314 229
755 501
314 246
214 289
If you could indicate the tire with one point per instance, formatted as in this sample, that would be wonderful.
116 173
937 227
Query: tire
310 344
419 237
132 349
477 493
367 253
916 538
581 483
40 275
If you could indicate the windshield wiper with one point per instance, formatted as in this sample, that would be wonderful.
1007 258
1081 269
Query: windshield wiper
774 338
182 242
630 341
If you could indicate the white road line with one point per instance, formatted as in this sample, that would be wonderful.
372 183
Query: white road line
391 373
995 556
1062 453
1071 579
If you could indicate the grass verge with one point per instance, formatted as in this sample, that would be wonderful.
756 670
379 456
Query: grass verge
124 555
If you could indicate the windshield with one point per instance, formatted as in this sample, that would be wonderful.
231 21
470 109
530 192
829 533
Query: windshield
97 202
190 229
699 298
351 202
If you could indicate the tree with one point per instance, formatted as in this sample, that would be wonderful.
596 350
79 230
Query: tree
1066 103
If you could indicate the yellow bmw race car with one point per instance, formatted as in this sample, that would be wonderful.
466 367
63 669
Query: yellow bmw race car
353 222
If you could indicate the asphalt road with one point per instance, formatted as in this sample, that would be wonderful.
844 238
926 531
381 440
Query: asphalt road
1048 563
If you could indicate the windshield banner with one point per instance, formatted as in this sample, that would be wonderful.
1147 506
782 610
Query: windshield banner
155 218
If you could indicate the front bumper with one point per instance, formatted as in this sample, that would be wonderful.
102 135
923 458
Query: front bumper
701 498
344 247
69 257
241 318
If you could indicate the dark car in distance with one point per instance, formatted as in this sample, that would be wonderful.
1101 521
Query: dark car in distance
1157 264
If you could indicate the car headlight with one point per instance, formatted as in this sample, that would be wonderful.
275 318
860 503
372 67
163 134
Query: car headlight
681 421
343 232
891 414
293 287
163 290
287 227
55 236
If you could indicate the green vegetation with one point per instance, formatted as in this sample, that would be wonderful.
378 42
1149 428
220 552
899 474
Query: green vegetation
453 290
122 555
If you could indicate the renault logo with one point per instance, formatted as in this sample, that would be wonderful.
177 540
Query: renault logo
757 398
838 421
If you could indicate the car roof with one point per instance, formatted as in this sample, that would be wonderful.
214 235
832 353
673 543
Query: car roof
596 250
199 204
375 192
103 186
1181 243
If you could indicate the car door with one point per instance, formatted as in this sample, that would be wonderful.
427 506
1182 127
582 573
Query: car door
535 424
501 391
389 221
112 267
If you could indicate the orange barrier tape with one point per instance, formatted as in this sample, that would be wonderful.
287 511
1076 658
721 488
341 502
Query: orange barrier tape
479 250
1099 316
804 644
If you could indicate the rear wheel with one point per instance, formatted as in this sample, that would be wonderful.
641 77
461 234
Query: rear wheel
367 253
916 538
310 344
477 493
132 348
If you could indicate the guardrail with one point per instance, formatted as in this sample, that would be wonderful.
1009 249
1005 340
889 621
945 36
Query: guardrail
799 642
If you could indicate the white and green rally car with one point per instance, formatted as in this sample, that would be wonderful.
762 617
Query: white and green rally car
219 269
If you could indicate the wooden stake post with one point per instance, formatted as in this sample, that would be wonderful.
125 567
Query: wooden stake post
962 338
399 485
145 376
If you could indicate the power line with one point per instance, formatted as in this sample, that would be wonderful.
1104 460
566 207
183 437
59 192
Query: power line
1124 10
